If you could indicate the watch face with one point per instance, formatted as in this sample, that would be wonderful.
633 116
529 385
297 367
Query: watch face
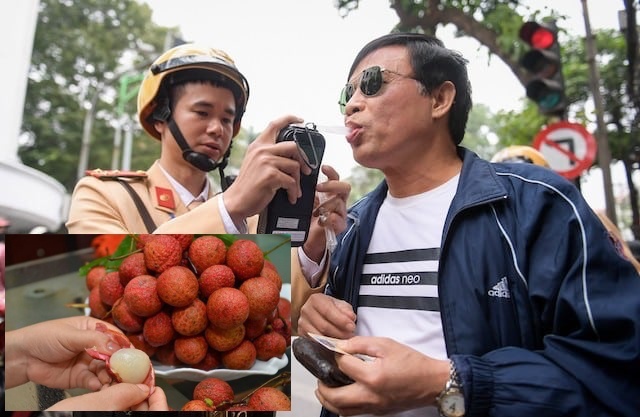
452 404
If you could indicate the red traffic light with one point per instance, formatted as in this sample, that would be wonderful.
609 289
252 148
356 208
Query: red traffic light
538 35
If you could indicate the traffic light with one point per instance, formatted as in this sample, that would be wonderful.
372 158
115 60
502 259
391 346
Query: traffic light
543 62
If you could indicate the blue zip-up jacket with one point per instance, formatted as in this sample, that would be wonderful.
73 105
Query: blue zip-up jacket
564 339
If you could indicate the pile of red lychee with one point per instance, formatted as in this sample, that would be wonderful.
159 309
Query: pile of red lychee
195 302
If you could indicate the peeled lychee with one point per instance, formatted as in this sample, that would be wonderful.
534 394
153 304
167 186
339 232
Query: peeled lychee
177 286
227 308
245 258
206 251
130 365
269 399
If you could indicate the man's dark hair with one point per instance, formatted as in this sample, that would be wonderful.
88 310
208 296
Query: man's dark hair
432 64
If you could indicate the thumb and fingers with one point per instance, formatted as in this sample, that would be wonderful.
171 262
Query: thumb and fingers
118 397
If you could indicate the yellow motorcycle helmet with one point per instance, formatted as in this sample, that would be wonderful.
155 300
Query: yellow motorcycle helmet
181 63
520 153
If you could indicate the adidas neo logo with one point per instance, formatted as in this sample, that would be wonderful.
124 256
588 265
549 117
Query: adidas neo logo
501 289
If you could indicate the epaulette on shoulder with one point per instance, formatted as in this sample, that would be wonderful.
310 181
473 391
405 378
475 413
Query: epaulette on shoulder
113 174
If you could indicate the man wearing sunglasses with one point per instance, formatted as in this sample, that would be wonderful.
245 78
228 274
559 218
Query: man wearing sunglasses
480 289
192 100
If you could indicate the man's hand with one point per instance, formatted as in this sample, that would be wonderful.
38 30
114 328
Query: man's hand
118 397
327 316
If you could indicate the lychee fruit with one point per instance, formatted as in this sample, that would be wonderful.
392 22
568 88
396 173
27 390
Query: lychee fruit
98 309
206 251
215 277
282 326
245 258
269 399
138 342
161 252
177 286
167 356
124 318
219 391
210 361
198 405
142 297
270 271
255 327
190 320
158 329
241 357
270 345
110 288
184 240
94 276
263 296
190 349
131 267
227 308
224 339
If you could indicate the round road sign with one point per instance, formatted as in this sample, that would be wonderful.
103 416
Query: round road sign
568 147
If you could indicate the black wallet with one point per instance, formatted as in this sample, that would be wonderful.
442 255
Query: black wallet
320 361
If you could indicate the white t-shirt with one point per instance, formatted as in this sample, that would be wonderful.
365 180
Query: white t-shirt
399 283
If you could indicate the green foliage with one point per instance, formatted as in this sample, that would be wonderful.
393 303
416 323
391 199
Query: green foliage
81 48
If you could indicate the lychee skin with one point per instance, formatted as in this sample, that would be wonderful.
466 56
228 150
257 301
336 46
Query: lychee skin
142 297
206 251
241 357
161 252
227 308
223 340
197 405
190 349
98 309
124 318
94 276
269 399
177 286
245 258
263 296
216 389
190 320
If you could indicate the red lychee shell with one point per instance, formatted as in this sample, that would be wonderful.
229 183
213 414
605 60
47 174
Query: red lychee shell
94 276
284 308
142 297
245 258
241 357
190 349
184 240
131 267
197 405
270 271
216 389
161 252
210 361
110 288
227 308
254 328
206 251
167 356
270 345
190 320
282 327
124 318
263 296
158 329
269 399
222 340
98 309
214 278
177 286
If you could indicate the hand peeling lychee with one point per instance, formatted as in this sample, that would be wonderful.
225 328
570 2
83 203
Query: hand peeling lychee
127 364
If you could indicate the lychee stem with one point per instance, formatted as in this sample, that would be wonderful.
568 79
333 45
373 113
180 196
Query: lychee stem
265 254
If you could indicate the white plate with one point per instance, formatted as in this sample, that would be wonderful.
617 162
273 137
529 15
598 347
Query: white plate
270 367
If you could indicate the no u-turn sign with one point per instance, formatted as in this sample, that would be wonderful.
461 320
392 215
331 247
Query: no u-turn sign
568 147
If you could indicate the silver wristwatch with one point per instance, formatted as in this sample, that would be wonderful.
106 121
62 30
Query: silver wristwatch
451 399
